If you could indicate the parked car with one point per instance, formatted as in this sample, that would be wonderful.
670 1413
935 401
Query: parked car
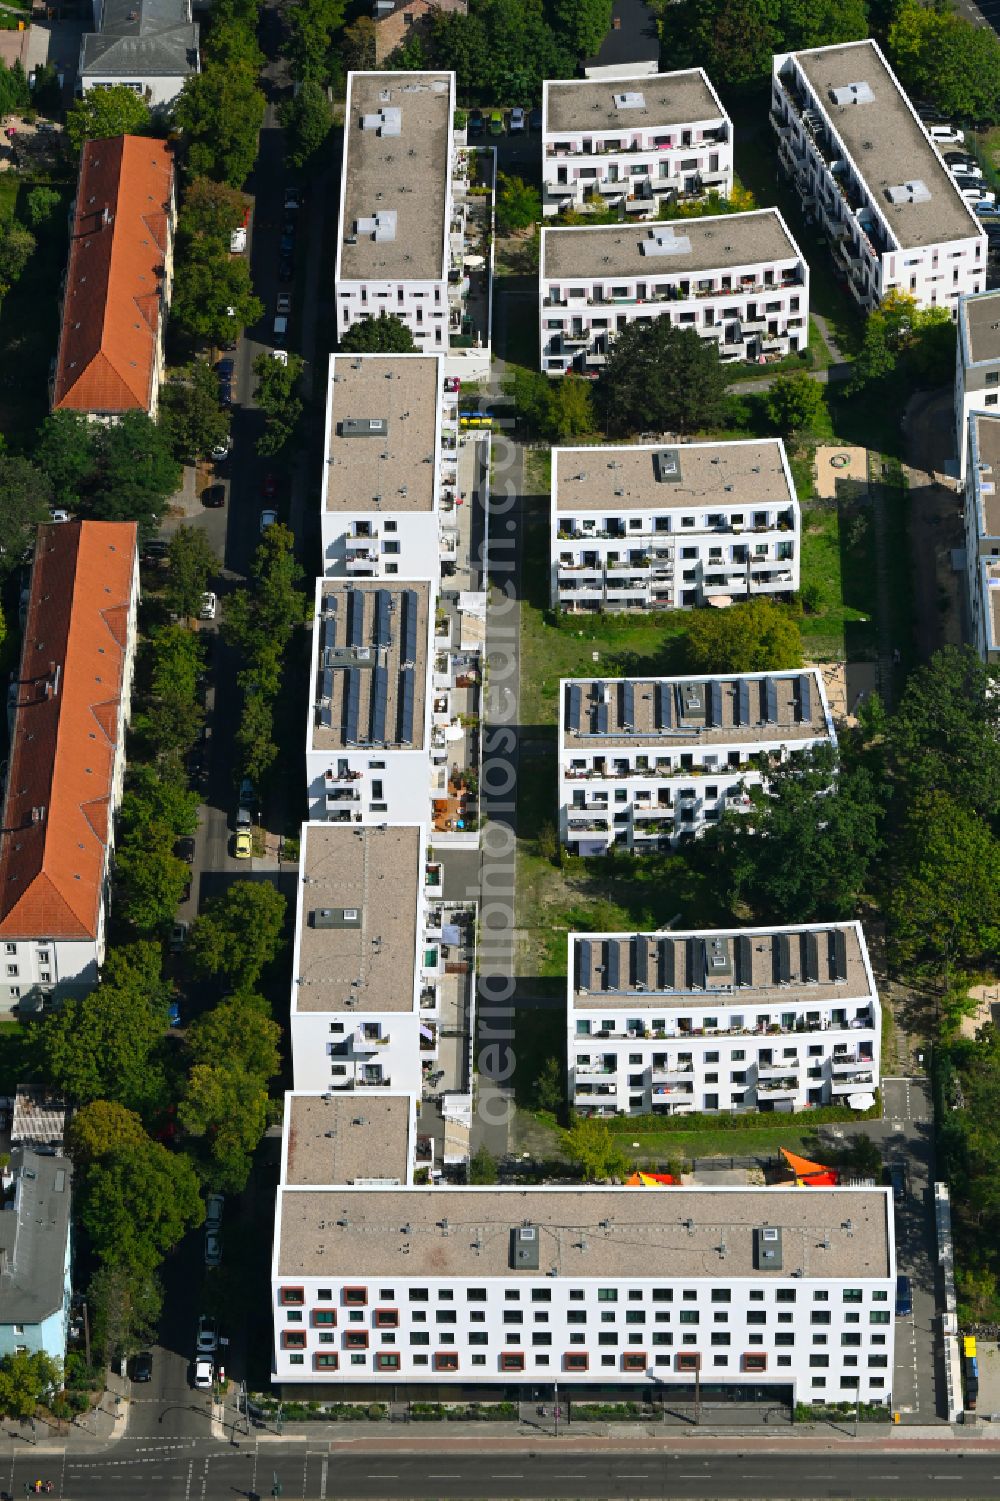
496 122
244 818
184 849
293 199
221 450
267 518
897 1177
237 241
214 1205
269 487
214 497
213 1248
208 1335
243 845
204 1374
283 306
476 124
178 937
248 793
535 119
960 161
279 333
946 135
174 1013
286 244
517 121
209 605
904 1297
226 371
286 270
59 515
142 1366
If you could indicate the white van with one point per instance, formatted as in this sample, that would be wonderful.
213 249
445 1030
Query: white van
945 135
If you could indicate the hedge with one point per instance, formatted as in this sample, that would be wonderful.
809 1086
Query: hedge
747 1120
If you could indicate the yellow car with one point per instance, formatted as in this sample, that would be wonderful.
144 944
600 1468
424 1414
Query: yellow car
243 847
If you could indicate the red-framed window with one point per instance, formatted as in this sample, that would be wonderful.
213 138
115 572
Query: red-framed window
755 1360
512 1360
293 1339
576 1360
356 1339
325 1360
446 1360
387 1360
688 1360
291 1297
323 1318
634 1360
356 1297
387 1318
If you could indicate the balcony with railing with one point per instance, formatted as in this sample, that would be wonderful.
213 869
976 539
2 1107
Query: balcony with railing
784 1088
861 1079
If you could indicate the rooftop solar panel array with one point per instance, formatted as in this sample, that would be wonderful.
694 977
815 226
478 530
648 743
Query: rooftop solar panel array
574 704
352 706
408 649
612 967
406 700
380 703
382 617
584 964
355 618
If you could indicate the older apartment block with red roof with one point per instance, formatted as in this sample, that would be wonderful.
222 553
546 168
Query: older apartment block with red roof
69 709
110 357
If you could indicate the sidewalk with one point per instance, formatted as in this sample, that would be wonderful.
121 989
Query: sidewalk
93 1431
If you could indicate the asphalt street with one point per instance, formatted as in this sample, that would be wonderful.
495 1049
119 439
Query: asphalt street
181 1471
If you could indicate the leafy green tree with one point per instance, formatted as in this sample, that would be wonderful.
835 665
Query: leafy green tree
555 410
864 1157
518 204
583 24
137 472
261 618
502 49
26 1378
594 1151
483 1167
158 797
276 393
238 1033
941 56
221 111
105 112
25 500
192 562
312 27
385 334
213 299
307 119
756 635
153 880
210 211
239 933
808 844
228 1111
945 732
125 1308
796 403
102 1127
232 44
101 1046
735 39
15 94
17 245
663 379
66 450
138 1202
357 48
255 737
176 659
190 411
943 901
42 204
550 1091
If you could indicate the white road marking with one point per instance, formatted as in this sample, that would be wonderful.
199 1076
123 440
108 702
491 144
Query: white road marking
322 1478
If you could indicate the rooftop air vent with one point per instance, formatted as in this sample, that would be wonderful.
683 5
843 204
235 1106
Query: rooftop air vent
387 121
381 226
524 1248
664 240
853 93
364 427
667 466
916 191
632 99
767 1249
335 917
718 964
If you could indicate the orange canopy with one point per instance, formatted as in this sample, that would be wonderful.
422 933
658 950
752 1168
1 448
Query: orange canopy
811 1174
648 1180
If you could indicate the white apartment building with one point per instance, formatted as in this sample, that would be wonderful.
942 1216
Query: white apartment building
737 278
383 988
411 234
781 1294
368 732
977 366
650 527
645 763
395 203
634 142
769 1019
331 1139
389 488
861 159
68 710
982 533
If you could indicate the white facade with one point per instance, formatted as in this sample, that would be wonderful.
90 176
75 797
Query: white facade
650 527
645 763
360 770
982 533
861 159
739 279
977 366
636 143
768 1019
785 1293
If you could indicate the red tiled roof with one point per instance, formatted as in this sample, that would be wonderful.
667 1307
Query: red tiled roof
111 312
59 786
